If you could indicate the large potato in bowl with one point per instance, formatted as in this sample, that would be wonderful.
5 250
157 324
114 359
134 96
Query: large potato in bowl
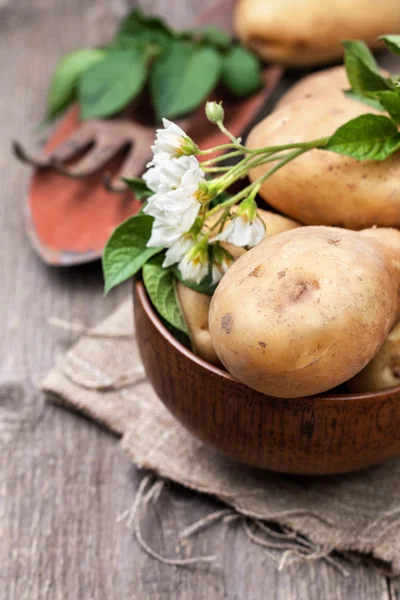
309 32
320 187
305 310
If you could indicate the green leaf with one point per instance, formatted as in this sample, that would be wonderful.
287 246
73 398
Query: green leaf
362 70
390 101
214 36
204 287
67 75
144 30
106 88
241 72
182 78
392 42
160 284
138 187
368 137
126 251
364 99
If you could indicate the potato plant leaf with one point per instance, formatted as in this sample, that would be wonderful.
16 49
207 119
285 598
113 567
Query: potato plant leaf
110 85
142 29
126 251
214 36
65 80
182 78
362 70
392 42
241 72
390 101
160 284
364 99
367 137
138 187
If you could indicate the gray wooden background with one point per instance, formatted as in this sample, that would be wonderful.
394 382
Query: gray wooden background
63 481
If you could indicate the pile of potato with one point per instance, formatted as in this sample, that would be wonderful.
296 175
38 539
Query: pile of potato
317 305
308 32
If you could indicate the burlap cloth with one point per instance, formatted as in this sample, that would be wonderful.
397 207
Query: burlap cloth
102 377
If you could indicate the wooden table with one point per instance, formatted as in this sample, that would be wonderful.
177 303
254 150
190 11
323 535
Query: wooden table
63 480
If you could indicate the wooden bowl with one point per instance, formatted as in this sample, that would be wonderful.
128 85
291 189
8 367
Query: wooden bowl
318 435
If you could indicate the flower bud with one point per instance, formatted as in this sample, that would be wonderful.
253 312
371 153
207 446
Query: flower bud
188 147
215 112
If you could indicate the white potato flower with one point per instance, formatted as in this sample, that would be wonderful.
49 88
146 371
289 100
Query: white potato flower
178 250
184 172
176 202
175 208
194 265
221 263
164 234
243 232
152 177
172 142
246 228
181 173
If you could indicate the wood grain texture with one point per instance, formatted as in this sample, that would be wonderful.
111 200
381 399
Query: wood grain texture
63 481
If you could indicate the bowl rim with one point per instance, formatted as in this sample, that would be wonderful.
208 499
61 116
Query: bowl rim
156 321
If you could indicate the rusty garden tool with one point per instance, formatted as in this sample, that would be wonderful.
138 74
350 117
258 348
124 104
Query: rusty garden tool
93 145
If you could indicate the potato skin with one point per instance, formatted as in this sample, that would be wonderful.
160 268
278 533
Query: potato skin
325 84
304 311
384 369
195 306
320 187
309 32
322 84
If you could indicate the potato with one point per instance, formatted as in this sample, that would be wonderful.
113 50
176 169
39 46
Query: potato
384 369
317 85
309 32
306 310
195 306
328 83
320 187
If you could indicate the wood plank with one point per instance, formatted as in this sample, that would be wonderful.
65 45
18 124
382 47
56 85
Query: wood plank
63 480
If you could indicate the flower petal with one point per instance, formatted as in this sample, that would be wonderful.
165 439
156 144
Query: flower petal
178 250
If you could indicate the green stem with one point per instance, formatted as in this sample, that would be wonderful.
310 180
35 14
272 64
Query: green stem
245 164
247 190
222 147
241 169
215 169
227 133
222 157
221 219
261 161
320 143
230 202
